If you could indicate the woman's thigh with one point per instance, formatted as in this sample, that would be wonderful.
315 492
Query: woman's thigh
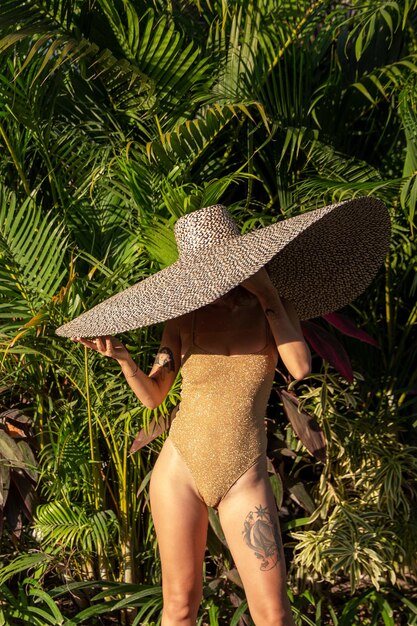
249 518
180 518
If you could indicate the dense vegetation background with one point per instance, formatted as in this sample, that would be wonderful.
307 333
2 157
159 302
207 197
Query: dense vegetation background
115 119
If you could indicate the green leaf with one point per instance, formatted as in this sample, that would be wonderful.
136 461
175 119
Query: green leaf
295 523
23 563
55 616
136 599
277 488
361 87
160 243
238 613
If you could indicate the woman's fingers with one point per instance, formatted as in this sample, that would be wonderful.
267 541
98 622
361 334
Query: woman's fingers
100 344
110 346
90 343
106 344
95 344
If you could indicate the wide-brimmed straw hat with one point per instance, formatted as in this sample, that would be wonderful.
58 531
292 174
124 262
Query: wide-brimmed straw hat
321 260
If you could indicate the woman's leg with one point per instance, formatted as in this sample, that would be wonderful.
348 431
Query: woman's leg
249 518
180 518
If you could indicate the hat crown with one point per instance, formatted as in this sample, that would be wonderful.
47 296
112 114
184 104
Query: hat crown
203 228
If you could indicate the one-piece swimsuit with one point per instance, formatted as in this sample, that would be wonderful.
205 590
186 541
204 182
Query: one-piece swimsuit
219 429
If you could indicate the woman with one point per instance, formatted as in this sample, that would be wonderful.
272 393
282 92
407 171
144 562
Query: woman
215 454
227 348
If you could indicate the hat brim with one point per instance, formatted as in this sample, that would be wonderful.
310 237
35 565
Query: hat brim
320 260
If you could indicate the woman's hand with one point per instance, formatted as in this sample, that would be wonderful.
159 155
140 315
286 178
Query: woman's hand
259 284
106 345
150 389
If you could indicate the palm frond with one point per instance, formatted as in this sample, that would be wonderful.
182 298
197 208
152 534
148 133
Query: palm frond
128 89
23 563
408 113
333 176
34 13
187 141
153 44
382 82
32 250
367 19
237 47
58 524
159 241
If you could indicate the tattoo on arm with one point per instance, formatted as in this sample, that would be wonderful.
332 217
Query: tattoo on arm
262 535
165 359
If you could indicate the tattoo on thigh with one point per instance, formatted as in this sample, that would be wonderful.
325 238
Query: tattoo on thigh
262 535
165 358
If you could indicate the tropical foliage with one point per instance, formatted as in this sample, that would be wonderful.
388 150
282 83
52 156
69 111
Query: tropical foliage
115 119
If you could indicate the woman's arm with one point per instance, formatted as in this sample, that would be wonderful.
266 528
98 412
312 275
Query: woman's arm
152 388
284 323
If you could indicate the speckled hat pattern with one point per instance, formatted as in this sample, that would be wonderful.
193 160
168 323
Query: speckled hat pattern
320 260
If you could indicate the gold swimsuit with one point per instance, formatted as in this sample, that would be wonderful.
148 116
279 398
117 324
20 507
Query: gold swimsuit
219 428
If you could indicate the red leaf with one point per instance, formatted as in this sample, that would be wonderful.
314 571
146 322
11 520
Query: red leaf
347 326
329 348
14 432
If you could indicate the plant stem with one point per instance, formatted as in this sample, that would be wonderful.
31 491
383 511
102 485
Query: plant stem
94 455
15 160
